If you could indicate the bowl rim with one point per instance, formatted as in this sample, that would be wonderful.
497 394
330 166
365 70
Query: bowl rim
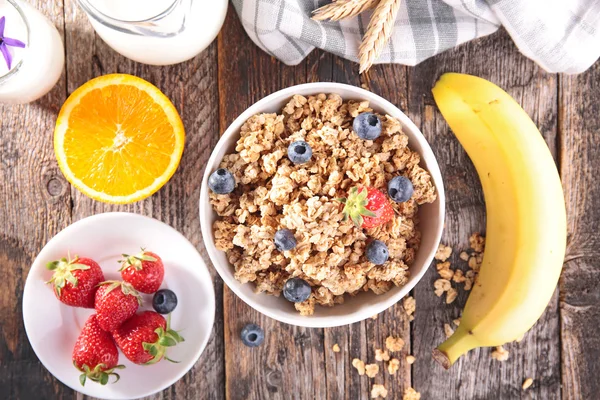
225 140
89 221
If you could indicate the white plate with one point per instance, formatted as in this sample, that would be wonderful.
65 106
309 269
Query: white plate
53 327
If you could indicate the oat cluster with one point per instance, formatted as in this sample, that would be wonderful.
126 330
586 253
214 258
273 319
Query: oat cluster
272 193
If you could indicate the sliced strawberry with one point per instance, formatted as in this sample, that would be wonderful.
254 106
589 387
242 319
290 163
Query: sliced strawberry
75 281
145 271
116 302
367 207
144 338
95 354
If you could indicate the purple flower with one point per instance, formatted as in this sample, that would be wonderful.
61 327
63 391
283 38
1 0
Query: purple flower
5 42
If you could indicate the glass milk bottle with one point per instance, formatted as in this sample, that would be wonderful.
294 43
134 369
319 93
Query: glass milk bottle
158 32
31 53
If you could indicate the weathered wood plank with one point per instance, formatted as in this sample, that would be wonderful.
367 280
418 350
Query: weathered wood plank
192 87
35 206
477 375
579 128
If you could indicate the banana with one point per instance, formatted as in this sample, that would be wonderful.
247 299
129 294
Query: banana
525 208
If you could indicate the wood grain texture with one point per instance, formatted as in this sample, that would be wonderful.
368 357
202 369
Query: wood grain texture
579 125
35 206
192 87
477 375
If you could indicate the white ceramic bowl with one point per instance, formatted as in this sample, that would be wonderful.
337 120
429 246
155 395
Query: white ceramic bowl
53 327
363 305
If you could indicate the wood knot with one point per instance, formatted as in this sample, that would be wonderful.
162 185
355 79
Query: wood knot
55 187
274 379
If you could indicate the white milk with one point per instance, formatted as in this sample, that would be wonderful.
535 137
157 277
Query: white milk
203 20
37 67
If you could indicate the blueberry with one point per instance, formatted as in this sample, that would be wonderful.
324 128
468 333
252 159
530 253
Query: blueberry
299 152
221 181
284 240
400 189
296 290
252 335
367 126
164 301
377 252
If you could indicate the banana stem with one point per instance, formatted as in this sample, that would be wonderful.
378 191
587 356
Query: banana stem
455 346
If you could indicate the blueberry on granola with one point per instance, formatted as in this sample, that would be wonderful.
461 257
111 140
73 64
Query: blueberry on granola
252 335
400 189
284 240
367 126
221 181
299 152
296 290
377 252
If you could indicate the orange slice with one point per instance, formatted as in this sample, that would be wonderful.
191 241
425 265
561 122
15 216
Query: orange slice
118 139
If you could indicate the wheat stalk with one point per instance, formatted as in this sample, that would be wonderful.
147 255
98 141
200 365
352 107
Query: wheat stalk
340 9
378 33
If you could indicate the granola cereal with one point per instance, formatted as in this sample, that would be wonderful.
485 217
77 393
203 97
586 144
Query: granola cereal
381 355
500 354
527 383
378 391
443 252
272 193
394 343
448 331
410 359
393 366
411 394
371 370
359 365
336 348
410 306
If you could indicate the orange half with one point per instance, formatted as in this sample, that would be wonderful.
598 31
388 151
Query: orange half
118 139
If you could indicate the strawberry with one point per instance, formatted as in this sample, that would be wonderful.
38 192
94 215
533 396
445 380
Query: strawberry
145 271
75 281
116 302
144 338
95 353
367 207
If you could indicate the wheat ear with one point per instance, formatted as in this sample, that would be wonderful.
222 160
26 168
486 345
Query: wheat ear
378 33
340 9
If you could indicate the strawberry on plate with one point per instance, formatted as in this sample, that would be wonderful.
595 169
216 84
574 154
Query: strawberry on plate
145 271
367 207
95 354
144 338
115 303
75 281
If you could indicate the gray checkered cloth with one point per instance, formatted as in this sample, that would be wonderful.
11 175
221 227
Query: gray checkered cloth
560 35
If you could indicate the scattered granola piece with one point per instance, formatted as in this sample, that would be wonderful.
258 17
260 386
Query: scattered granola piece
464 256
393 366
359 365
371 370
381 355
374 316
394 343
442 284
468 284
473 264
500 354
438 292
336 348
446 273
477 242
378 391
411 394
442 265
448 330
456 321
410 359
451 295
459 276
528 382
410 305
443 252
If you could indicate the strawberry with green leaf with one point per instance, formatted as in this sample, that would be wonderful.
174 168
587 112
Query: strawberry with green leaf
95 354
116 302
145 271
367 207
75 281
145 337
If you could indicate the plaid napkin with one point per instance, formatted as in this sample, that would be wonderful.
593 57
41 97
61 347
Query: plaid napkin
560 35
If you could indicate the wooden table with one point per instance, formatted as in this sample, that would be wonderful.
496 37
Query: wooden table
561 352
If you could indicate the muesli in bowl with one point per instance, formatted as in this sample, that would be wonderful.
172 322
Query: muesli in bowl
320 200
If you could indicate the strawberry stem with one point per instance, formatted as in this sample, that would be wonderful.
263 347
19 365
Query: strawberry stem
355 206
166 338
135 261
63 273
99 374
